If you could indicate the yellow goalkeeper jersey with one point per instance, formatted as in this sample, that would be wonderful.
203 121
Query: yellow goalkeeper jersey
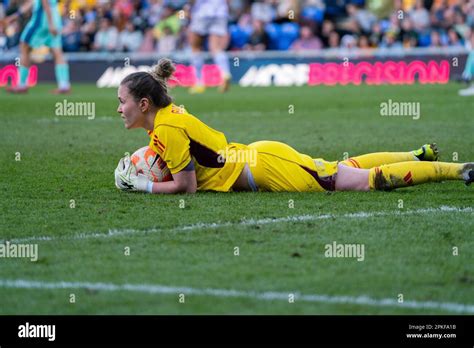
179 138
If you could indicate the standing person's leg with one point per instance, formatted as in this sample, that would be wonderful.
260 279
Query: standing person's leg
218 42
197 60
25 61
61 68
468 72
25 64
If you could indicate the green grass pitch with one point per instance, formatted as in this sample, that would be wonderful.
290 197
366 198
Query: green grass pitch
63 188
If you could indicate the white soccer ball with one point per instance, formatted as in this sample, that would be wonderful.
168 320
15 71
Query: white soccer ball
149 163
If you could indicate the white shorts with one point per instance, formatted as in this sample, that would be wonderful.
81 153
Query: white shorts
209 26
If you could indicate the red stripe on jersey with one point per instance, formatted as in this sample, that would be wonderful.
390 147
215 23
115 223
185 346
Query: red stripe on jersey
158 146
163 146
158 142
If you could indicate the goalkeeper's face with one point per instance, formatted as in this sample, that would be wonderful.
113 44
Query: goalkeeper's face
129 108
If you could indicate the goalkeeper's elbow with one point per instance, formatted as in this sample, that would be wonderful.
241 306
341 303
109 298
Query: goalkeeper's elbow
188 187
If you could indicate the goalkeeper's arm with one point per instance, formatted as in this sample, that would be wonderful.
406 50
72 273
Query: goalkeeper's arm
126 179
183 182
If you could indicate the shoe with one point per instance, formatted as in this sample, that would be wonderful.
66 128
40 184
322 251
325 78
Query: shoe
197 89
17 90
61 91
468 173
466 92
428 152
225 85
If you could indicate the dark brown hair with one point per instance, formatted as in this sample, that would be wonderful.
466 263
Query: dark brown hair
153 84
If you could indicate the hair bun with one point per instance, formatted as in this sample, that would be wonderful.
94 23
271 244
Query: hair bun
163 70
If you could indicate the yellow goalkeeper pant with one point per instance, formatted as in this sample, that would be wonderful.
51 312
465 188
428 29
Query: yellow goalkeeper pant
281 168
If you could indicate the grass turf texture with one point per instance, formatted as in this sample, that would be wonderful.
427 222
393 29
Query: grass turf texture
73 158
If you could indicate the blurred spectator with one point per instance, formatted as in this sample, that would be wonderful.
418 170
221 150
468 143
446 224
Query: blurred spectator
122 12
123 8
469 10
437 16
333 41
168 41
71 37
170 21
106 39
420 16
435 39
130 39
259 39
158 25
313 3
236 10
348 42
176 5
263 10
389 40
327 28
3 40
382 8
88 31
13 33
307 40
363 42
364 18
153 13
287 10
335 9
376 35
460 23
148 43
408 35
454 38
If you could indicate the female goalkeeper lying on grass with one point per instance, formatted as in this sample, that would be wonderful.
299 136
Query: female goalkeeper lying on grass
200 158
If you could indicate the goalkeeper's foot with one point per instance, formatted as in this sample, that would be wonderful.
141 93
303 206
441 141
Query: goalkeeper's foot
428 152
468 173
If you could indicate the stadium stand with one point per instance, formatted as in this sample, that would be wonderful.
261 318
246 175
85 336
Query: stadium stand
160 25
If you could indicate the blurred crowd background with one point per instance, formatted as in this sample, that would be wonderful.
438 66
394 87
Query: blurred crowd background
161 25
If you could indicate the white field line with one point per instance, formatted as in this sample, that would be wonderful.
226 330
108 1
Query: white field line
247 222
269 296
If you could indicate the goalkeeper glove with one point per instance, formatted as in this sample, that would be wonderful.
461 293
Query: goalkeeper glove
126 178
